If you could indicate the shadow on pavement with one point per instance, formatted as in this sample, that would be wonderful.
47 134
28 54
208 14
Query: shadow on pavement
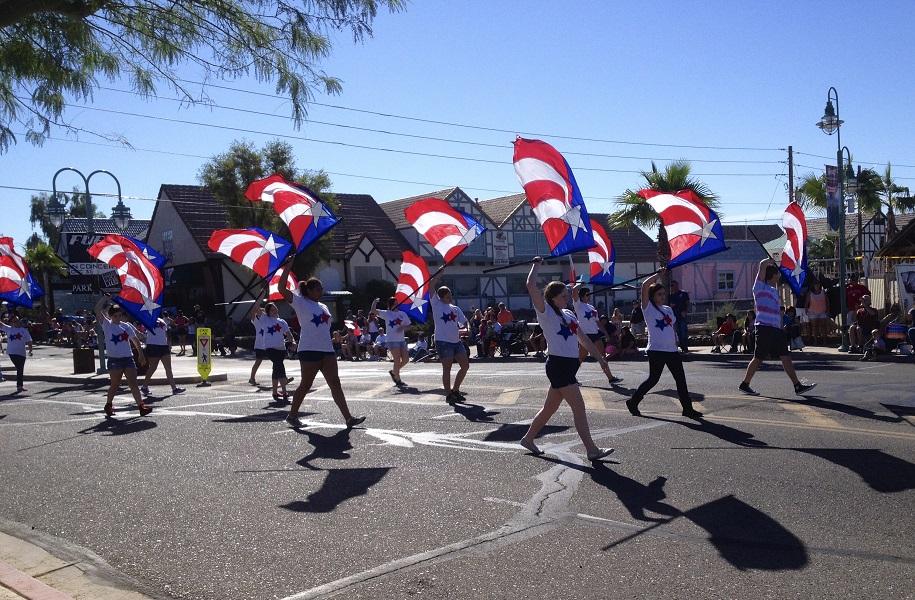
475 413
722 432
883 472
848 409
694 396
339 486
121 426
332 447
513 432
902 412
274 415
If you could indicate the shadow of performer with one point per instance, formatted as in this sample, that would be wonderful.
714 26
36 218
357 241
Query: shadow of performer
339 486
333 447
120 426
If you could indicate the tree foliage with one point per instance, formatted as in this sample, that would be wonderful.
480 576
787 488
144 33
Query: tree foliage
44 262
76 206
55 51
228 175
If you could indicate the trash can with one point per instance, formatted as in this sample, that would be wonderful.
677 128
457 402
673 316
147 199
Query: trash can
83 360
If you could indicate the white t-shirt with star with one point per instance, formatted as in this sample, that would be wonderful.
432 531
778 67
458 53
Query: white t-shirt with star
117 338
660 322
587 317
561 337
314 320
16 339
157 335
258 332
274 332
448 320
396 323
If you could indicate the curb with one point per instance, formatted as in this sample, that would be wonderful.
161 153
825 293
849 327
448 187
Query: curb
98 380
71 570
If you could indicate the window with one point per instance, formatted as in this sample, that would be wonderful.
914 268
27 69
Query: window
462 286
168 243
530 243
517 285
725 281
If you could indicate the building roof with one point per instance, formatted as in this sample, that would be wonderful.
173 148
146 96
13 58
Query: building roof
500 210
765 233
394 208
631 243
199 210
902 244
138 228
362 217
818 228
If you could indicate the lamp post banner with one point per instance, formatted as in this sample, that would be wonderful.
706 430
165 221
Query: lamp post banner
905 279
833 203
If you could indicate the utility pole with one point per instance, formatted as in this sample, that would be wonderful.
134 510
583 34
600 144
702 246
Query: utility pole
790 174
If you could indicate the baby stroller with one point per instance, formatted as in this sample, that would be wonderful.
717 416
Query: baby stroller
513 339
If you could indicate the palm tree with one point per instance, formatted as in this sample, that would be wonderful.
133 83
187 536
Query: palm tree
893 200
634 211
811 195
42 260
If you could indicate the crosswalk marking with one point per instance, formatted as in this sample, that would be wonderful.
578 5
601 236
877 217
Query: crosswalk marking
592 399
809 415
508 397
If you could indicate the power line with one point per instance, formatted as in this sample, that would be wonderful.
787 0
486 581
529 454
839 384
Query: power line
820 169
482 128
863 162
439 139
377 148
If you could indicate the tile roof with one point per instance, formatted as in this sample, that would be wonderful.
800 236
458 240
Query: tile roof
499 210
903 243
362 217
394 208
199 210
765 233
138 228
818 228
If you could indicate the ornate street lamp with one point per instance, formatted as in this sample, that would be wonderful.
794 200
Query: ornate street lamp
121 215
56 211
831 123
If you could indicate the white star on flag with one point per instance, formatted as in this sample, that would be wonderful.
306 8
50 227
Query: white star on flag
606 266
318 211
149 305
573 218
707 232
470 235
418 303
24 287
269 247
796 272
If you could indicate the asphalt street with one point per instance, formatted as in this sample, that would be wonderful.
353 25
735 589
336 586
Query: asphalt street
213 496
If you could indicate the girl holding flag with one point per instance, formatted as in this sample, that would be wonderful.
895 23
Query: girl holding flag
260 351
315 349
119 337
18 339
448 345
563 336
662 347
159 350
396 322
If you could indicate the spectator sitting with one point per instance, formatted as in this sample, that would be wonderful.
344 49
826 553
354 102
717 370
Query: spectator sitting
380 347
339 347
504 316
537 343
792 328
420 349
725 334
473 331
351 343
866 320
637 319
887 336
364 346
749 331
617 318
628 347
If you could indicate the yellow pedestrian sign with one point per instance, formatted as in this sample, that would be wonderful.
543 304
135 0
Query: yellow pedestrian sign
204 357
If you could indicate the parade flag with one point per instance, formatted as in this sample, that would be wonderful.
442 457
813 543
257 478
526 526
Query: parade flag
693 229
554 196
601 256
794 257
412 294
261 251
573 277
142 285
447 229
303 212
292 284
26 289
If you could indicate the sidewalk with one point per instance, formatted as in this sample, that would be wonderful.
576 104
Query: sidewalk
810 353
38 566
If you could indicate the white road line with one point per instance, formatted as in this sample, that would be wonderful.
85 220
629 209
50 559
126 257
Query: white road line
592 399
508 397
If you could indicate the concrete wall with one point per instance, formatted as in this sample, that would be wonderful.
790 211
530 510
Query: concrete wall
182 249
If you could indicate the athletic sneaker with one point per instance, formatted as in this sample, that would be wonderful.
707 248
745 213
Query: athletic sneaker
633 405
600 453
613 380
452 398
252 382
144 390
803 388
746 389
354 421
294 421
145 410
177 390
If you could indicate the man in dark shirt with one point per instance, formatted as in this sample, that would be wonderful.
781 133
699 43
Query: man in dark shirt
679 302
866 320
637 319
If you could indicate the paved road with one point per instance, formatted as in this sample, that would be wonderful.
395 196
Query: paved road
214 497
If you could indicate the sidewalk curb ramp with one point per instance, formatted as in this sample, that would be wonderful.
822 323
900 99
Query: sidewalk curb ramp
39 566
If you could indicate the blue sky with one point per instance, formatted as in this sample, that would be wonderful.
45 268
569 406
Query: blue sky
726 74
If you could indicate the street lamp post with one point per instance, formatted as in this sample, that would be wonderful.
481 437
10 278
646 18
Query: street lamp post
120 213
831 123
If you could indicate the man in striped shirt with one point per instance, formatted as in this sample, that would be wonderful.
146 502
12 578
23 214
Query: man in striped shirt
771 341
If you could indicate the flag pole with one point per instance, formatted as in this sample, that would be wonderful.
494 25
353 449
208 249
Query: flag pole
753 233
509 266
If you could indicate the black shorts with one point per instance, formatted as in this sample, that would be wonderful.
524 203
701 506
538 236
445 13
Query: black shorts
314 355
260 353
771 343
157 350
561 370
181 330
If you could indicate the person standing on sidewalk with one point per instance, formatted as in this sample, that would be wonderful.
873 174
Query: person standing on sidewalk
662 347
679 302
18 338
119 337
563 337
448 321
159 350
316 348
396 323
771 341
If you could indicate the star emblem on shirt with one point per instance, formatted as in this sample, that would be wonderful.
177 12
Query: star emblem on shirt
320 318
566 331
663 322
588 314
117 338
16 336
273 329
449 316
395 323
